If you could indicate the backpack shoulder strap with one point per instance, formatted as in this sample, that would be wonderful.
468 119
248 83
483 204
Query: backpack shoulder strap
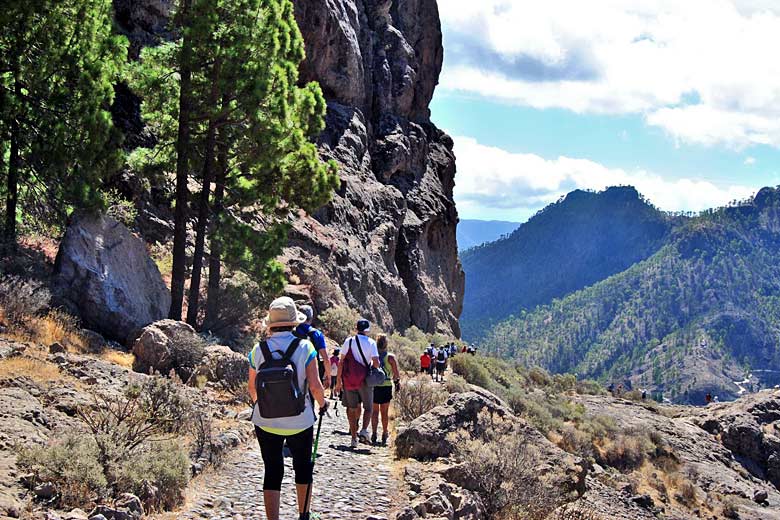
360 349
291 350
266 353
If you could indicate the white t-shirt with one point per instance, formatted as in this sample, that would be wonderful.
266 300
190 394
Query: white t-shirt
367 344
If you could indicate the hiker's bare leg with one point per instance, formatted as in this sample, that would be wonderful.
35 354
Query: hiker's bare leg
353 415
271 500
385 410
375 418
367 418
300 490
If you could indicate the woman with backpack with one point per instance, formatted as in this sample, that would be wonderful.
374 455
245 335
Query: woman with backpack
283 380
383 393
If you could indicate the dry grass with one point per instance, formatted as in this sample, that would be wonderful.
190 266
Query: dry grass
123 359
36 369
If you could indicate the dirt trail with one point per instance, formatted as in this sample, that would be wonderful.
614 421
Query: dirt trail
348 484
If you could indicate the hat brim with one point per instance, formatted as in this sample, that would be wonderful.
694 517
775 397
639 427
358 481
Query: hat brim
300 317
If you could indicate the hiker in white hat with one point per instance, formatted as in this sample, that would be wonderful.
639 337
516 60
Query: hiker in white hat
283 380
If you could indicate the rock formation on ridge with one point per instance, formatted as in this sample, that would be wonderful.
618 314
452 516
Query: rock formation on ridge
387 239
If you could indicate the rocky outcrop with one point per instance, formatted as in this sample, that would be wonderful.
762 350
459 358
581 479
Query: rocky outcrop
223 366
105 275
168 345
386 243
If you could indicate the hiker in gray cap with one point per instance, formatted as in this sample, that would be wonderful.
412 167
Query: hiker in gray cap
307 331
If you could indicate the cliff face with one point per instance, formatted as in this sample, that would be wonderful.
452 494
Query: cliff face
386 243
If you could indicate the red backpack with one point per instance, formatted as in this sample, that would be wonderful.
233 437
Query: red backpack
353 375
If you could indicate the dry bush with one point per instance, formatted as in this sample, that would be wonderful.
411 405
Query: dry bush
500 466
625 450
579 510
22 366
456 384
730 508
117 357
158 475
339 322
187 352
417 396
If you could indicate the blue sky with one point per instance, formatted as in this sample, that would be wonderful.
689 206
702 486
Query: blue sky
544 99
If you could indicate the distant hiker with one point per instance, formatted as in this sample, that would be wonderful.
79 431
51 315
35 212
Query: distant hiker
383 393
425 363
644 395
317 338
708 398
357 353
611 389
619 390
441 363
283 379
334 371
432 352
465 349
453 350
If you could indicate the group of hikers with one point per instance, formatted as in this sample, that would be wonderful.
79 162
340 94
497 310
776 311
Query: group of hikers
290 370
433 360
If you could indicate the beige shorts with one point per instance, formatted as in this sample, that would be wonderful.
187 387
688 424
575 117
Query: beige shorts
353 398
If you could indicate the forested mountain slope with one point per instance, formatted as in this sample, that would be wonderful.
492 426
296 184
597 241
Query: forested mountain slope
472 233
700 314
571 244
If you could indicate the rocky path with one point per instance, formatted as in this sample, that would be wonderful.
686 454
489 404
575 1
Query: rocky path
348 484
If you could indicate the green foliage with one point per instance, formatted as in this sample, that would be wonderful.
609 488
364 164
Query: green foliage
339 322
711 288
163 466
59 61
71 464
245 89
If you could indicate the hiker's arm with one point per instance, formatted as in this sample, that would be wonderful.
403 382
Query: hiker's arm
251 385
394 367
338 374
375 362
315 385
326 365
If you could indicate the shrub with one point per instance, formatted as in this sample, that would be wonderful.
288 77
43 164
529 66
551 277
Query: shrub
456 384
417 396
187 352
626 450
339 322
162 467
71 464
22 298
241 301
500 465
471 370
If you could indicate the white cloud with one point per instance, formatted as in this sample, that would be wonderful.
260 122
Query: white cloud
494 182
750 161
703 70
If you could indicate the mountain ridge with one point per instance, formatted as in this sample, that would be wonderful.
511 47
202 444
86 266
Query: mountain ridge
475 232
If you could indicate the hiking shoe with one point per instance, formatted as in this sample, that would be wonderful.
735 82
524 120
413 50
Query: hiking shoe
354 443
373 438
364 437
385 435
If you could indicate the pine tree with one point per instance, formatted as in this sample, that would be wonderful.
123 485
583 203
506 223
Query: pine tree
58 62
251 128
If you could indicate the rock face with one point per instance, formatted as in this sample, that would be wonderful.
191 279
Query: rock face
386 243
105 273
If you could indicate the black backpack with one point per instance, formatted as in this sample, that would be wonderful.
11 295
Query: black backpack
278 393
441 357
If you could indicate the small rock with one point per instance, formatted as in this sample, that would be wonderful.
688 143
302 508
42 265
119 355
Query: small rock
760 496
76 514
97 517
245 415
644 501
45 491
57 348
131 503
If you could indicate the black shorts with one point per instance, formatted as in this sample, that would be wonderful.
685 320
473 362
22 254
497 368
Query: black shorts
441 366
383 394
333 381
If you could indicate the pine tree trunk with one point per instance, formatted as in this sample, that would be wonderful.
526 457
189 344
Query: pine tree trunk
193 303
12 196
215 243
182 173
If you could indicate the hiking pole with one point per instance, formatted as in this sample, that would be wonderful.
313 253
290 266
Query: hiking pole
305 514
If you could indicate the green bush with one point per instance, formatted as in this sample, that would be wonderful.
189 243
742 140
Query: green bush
71 464
162 466
456 384
339 322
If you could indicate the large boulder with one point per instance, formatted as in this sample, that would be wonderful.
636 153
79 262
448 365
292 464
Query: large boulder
105 274
223 366
168 345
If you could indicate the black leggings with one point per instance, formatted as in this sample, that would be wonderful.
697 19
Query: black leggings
271 446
